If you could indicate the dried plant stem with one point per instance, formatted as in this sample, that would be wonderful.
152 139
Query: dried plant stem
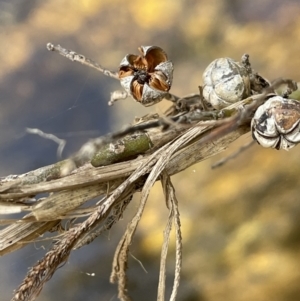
121 255
61 142
114 216
190 132
199 141
164 251
113 174
177 223
174 216
76 57
44 269
163 258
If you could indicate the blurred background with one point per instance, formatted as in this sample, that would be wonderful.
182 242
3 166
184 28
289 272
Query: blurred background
240 222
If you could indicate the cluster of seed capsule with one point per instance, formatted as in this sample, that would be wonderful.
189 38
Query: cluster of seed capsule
276 123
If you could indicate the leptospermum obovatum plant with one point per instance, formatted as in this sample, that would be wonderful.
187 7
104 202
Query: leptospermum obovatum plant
198 135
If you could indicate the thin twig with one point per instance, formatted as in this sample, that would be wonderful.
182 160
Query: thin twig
61 142
233 155
76 57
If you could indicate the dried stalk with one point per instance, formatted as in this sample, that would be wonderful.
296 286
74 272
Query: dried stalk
76 57
125 178
88 182
165 146
172 204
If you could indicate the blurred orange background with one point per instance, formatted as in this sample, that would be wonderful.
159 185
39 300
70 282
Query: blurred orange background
240 222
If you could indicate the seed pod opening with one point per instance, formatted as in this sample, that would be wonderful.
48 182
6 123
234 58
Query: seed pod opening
276 123
146 77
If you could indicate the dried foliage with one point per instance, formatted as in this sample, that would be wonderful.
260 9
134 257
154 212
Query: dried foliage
119 182
183 137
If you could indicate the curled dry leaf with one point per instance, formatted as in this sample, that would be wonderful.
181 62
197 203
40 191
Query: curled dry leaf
146 77
276 123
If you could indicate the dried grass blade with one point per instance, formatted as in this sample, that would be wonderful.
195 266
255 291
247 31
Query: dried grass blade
177 223
164 251
121 255
43 270
19 234
114 216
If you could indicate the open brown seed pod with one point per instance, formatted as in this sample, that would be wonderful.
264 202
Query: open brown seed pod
276 123
146 77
